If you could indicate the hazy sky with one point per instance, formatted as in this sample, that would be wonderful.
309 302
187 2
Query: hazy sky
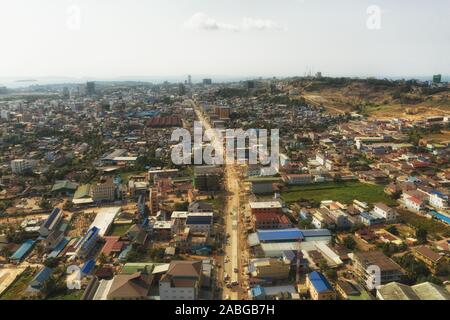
223 37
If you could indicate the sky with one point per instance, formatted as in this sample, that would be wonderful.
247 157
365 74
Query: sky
137 38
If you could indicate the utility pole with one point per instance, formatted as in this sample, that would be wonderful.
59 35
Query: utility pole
299 256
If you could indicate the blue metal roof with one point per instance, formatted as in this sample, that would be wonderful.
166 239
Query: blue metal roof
23 250
53 215
85 241
257 291
88 266
59 247
42 275
319 282
439 194
439 216
280 234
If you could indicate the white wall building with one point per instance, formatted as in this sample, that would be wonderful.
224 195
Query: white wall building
385 211
19 166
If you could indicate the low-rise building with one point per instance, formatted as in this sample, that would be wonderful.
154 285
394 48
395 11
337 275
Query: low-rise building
52 222
105 190
318 287
20 166
385 211
200 221
433 260
374 268
269 269
270 220
265 207
182 281
422 291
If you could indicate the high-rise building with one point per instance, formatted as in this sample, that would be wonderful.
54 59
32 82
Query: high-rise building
251 84
90 88
181 89
207 82
437 78
189 80
66 92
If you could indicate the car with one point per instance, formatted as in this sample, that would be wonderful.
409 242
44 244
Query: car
235 270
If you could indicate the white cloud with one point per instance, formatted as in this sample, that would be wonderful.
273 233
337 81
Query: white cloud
261 24
202 21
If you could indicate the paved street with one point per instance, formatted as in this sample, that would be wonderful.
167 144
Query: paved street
232 226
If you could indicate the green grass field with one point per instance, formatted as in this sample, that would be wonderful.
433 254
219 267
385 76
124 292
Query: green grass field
344 192
432 226
17 288
69 295
119 229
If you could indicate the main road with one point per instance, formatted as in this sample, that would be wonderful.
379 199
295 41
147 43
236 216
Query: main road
231 266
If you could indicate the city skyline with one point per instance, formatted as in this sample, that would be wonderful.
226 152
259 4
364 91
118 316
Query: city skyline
163 38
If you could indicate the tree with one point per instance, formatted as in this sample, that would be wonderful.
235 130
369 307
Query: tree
421 235
323 265
50 286
102 258
40 249
331 274
349 243
45 204
393 230
5 252
181 206
51 262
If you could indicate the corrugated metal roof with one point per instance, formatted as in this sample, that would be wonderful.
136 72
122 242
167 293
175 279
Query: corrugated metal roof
280 234
42 275
316 233
88 266
23 250
319 282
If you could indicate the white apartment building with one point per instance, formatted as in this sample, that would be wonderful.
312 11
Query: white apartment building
181 281
438 200
385 211
19 166
104 191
